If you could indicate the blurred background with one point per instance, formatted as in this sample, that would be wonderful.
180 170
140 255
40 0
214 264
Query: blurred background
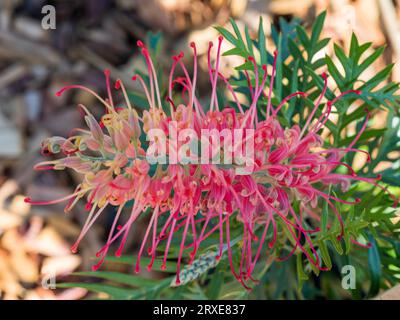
90 36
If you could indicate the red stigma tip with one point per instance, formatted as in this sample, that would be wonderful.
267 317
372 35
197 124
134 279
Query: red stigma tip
118 253
27 200
140 44
358 92
119 227
117 84
378 177
250 58
163 266
210 44
137 269
264 67
324 75
145 52
58 93
181 54
192 44
220 38
95 267
134 78
275 53
358 200
177 281
74 249
107 72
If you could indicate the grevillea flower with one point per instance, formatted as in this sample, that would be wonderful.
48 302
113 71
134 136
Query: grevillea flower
290 165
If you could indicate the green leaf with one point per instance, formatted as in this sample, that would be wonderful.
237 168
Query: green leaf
227 35
334 72
325 254
325 215
391 176
374 263
293 87
378 78
216 282
301 275
123 278
336 243
279 62
342 58
235 52
302 34
170 267
245 66
248 40
113 291
317 27
366 135
138 100
370 60
261 42
319 46
237 32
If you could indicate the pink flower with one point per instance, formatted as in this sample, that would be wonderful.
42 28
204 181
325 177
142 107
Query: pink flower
290 165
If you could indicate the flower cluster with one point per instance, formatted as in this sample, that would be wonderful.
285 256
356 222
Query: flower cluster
290 166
